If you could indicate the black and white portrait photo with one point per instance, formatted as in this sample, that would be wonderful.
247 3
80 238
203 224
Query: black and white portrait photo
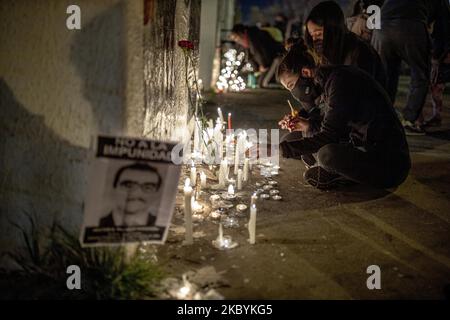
131 195
136 196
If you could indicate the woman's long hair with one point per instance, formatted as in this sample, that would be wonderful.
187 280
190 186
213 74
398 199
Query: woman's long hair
329 15
296 57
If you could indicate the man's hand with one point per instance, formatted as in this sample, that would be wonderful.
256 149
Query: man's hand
299 124
263 69
294 123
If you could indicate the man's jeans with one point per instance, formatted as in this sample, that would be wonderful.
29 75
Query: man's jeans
383 169
408 41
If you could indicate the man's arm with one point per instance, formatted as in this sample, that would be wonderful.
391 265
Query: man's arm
334 125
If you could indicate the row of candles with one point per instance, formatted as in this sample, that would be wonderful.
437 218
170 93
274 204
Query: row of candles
211 139
237 149
242 176
191 206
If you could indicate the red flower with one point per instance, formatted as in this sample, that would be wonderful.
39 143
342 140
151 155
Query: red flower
186 44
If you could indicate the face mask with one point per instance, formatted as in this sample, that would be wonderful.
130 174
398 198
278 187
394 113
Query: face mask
318 46
306 92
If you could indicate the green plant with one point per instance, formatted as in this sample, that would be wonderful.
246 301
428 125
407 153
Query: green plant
105 272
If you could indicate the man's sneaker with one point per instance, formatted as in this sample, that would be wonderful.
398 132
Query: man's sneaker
319 178
412 129
309 160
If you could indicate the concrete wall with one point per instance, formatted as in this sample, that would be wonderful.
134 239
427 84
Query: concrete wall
59 88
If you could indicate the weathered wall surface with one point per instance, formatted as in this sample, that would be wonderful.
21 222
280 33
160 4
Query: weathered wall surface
59 88
165 89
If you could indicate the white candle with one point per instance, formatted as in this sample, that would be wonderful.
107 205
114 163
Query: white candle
218 139
253 199
246 163
223 173
188 212
219 111
220 234
236 155
239 179
230 190
193 174
252 225
203 179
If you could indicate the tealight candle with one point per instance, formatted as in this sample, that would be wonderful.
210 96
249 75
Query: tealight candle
264 196
216 214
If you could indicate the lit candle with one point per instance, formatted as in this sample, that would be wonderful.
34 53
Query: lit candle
218 139
246 163
188 212
223 173
219 111
252 225
239 179
229 121
193 174
203 179
230 190
253 199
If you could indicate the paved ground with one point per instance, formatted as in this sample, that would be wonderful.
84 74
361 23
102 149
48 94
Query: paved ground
317 245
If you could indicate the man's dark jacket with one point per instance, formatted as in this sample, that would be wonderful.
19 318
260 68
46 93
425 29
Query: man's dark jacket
355 103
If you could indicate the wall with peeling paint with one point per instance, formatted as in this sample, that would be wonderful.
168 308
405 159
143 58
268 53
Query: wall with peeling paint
166 103
59 88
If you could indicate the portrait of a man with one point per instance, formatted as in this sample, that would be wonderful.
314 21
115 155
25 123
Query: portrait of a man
135 195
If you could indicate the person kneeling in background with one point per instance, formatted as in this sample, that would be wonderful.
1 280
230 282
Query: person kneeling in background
358 111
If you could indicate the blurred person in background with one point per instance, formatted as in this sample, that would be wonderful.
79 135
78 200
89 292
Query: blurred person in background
404 37
357 22
262 50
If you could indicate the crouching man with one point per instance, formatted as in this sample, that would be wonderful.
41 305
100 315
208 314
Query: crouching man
360 138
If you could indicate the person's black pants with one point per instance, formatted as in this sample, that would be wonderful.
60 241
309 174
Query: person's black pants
383 169
408 41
